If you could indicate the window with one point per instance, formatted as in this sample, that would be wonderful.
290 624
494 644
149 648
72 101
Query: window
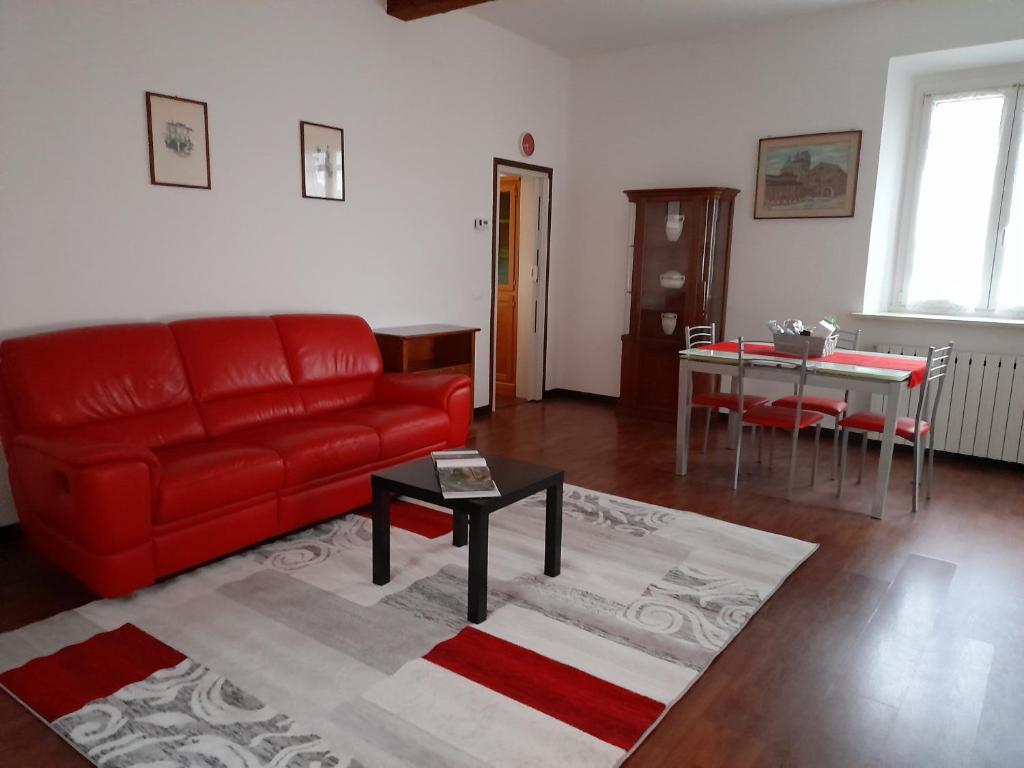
963 228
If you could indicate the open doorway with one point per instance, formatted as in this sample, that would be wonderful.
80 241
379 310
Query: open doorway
520 251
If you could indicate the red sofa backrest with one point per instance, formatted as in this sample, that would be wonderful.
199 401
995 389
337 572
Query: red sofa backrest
156 385
122 383
238 372
334 359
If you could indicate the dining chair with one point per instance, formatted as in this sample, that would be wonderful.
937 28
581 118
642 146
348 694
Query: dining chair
829 406
779 417
848 339
915 429
702 336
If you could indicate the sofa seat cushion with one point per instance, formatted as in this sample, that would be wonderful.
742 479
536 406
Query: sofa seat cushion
312 449
198 477
403 427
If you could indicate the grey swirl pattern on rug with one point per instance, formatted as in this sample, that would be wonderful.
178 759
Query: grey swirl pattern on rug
633 518
695 606
314 545
318 544
191 717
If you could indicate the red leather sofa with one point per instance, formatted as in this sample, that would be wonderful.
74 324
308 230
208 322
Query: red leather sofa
137 451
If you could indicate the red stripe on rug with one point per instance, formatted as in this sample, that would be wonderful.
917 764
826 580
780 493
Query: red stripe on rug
65 681
424 521
604 710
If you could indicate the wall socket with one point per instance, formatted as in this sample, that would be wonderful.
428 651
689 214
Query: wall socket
481 223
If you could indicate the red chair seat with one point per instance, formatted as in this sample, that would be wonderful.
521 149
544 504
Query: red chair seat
780 416
827 405
727 400
867 421
403 427
313 449
198 477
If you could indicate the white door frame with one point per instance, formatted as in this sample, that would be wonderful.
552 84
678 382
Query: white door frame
538 342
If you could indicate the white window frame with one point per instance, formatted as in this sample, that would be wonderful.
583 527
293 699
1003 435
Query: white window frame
927 90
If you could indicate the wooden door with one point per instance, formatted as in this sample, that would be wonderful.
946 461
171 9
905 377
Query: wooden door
508 287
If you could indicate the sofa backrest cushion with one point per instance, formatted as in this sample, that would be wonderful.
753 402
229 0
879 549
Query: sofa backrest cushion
334 359
238 372
124 383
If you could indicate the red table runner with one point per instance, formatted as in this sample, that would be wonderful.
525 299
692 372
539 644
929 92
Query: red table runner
916 367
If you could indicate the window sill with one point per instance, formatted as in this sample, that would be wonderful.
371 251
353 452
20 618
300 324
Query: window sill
995 322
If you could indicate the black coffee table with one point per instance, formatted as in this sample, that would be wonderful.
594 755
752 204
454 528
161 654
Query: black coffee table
515 479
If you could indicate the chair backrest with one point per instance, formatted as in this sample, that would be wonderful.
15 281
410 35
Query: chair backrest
848 339
699 335
939 359
799 369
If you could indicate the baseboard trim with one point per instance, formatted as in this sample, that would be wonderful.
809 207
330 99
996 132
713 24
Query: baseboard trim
575 394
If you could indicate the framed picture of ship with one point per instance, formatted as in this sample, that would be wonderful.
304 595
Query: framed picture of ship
322 149
812 176
179 141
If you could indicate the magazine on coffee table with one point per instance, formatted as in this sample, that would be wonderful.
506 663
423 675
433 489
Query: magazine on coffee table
463 475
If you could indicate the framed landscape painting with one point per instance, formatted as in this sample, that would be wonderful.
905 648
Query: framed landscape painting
323 161
179 141
806 177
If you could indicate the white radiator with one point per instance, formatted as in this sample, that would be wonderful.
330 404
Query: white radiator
981 412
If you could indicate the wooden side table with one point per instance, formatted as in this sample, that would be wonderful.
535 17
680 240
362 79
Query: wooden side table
431 348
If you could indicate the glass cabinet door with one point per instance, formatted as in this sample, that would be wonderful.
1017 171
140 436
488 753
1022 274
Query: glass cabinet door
504 231
665 264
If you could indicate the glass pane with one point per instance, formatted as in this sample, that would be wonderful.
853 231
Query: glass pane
955 198
504 204
1009 288
668 232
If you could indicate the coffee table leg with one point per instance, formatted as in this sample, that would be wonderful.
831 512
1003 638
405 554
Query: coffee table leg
381 536
553 532
478 567
460 522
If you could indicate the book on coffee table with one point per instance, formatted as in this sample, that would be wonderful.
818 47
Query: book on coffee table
463 475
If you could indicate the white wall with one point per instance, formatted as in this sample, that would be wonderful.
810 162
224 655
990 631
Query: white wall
426 106
691 114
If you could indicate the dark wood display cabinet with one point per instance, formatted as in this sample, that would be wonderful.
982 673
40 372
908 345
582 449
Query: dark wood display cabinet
679 277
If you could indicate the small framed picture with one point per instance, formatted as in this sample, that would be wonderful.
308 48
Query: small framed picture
323 161
806 177
179 141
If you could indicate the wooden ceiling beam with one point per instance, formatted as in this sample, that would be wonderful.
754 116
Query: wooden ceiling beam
407 10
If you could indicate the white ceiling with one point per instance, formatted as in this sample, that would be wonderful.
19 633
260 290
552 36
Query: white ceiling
583 27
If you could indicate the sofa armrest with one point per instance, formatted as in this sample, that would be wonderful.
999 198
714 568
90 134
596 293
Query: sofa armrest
98 495
421 388
79 454
452 393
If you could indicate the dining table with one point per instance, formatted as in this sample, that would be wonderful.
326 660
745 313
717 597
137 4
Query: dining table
889 375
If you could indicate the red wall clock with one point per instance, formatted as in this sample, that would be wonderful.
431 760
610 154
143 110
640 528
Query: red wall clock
527 144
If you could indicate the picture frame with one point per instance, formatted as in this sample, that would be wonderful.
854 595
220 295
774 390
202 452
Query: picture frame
322 157
808 176
179 141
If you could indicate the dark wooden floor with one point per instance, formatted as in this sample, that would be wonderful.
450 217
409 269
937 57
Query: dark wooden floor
899 643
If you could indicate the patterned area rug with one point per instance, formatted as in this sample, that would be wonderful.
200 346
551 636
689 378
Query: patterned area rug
289 656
